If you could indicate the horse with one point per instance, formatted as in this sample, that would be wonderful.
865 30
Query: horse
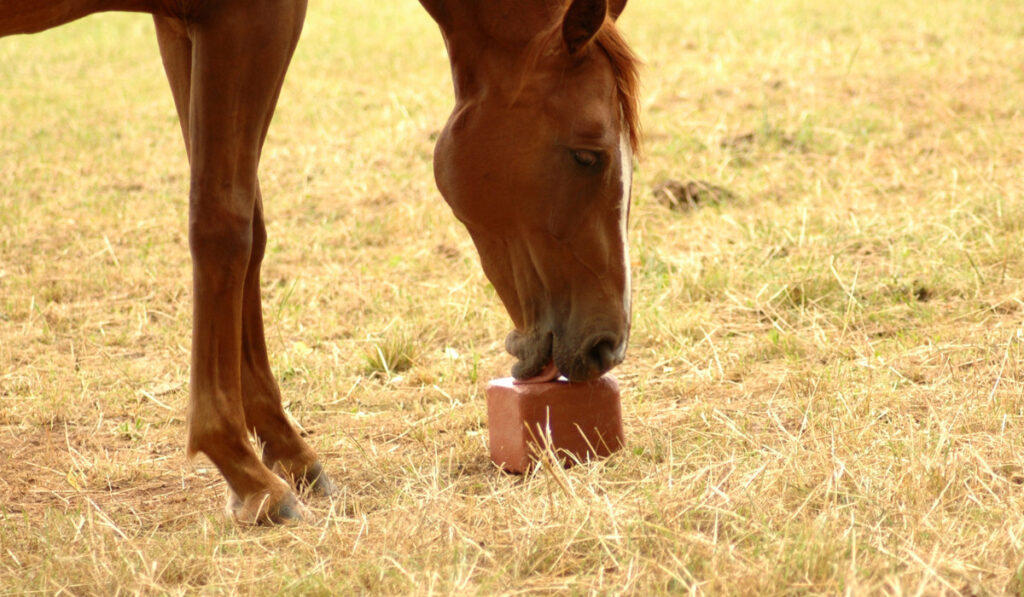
536 161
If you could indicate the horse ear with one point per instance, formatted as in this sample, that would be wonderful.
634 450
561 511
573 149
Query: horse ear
615 8
582 22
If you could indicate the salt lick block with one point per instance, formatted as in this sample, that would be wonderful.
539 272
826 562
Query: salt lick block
582 421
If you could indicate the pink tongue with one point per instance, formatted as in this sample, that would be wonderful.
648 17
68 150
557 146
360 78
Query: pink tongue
549 373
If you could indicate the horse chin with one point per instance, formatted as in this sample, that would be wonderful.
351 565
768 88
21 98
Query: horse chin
533 352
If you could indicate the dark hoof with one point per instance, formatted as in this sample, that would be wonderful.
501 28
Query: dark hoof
261 509
288 511
316 481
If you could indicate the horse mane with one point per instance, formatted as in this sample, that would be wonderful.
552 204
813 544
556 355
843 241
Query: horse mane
626 67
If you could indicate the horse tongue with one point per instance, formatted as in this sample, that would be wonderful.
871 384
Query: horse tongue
549 373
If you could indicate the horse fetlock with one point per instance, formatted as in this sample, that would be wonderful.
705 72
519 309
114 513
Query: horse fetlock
222 440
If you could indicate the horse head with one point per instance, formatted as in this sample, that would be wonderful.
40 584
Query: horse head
536 161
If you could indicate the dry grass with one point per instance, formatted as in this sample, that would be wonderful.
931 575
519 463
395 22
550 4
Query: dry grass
825 390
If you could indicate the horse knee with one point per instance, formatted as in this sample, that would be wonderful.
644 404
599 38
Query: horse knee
221 231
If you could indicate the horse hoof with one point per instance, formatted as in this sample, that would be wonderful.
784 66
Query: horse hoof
317 482
260 509
312 479
288 512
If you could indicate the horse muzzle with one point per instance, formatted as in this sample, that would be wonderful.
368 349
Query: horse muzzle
578 360
590 358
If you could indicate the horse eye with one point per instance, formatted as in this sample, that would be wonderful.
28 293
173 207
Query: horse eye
585 157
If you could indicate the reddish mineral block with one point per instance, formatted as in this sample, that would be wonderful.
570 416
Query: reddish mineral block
581 419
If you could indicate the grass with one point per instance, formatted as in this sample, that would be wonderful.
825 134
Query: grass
824 392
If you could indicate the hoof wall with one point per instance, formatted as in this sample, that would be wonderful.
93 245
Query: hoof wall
259 509
287 513
317 482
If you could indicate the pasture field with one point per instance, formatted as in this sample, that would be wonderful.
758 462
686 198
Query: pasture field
825 387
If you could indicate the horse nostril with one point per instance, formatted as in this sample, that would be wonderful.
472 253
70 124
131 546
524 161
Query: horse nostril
602 354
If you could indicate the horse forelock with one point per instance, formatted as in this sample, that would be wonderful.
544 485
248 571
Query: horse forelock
625 67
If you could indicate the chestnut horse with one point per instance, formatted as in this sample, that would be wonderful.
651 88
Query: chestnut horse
536 160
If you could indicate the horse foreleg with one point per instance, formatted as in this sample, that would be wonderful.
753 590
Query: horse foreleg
236 62
176 53
283 450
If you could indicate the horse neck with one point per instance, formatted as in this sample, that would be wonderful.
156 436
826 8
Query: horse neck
486 73
492 44
515 21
